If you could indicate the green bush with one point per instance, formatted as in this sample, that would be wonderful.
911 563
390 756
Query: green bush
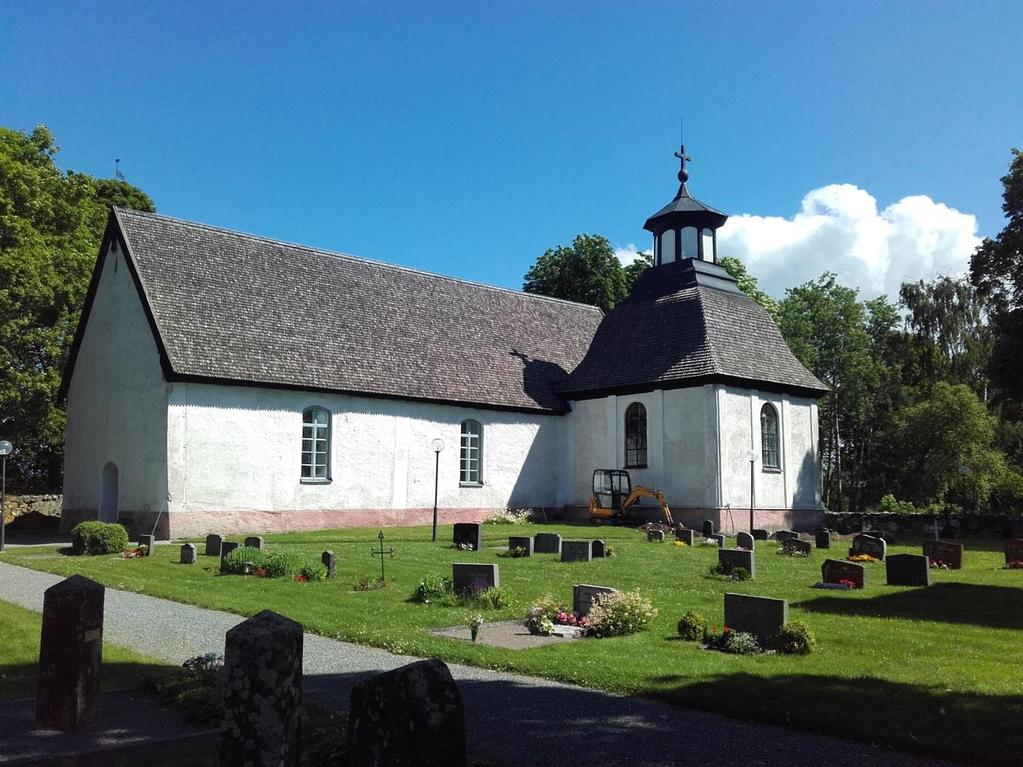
620 613
242 560
540 618
735 573
741 643
313 571
691 626
283 564
795 638
98 538
431 588
889 504
494 598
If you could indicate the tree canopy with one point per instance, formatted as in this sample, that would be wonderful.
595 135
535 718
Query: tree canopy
587 271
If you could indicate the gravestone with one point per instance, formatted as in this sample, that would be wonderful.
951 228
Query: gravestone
835 570
797 546
655 536
468 534
1014 550
868 544
760 535
822 538
944 551
721 540
329 560
576 551
732 558
763 617
213 544
685 535
262 692
784 535
744 541
226 548
410 716
523 542
546 543
582 597
877 534
1013 529
254 542
473 578
70 654
907 570
147 541
188 554
708 528
599 549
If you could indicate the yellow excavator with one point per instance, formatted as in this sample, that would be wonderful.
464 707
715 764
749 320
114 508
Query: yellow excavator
615 500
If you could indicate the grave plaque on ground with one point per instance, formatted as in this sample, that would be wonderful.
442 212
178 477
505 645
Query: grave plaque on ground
655 536
329 560
836 570
783 535
1014 550
188 554
147 542
944 551
763 617
907 570
70 653
685 535
226 548
708 528
868 544
262 692
213 544
744 541
468 534
582 597
797 546
733 558
576 551
472 578
760 535
719 538
546 543
523 542
410 716
599 549
822 538
254 542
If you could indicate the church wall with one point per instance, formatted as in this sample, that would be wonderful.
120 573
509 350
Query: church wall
116 405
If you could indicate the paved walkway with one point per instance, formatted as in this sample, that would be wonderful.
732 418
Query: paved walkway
510 719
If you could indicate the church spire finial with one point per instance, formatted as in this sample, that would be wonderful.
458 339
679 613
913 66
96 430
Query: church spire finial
683 174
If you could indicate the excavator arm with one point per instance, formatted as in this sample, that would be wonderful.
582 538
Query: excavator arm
639 492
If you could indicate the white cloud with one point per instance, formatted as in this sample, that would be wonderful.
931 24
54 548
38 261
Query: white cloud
629 253
840 229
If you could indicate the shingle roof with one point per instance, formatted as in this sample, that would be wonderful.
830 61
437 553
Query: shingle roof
234 307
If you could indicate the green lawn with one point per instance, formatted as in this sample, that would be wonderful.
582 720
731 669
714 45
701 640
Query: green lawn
934 670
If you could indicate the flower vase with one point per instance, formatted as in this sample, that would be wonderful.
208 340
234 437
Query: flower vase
474 631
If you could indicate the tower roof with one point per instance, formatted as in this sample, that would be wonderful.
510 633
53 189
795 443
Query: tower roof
684 210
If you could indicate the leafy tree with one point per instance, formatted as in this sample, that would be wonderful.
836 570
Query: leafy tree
748 284
588 271
632 272
51 224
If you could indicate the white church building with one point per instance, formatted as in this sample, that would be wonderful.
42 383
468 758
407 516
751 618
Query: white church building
222 382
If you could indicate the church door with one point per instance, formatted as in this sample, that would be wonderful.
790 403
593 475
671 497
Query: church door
108 494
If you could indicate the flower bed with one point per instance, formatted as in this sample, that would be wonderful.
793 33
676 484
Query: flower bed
862 558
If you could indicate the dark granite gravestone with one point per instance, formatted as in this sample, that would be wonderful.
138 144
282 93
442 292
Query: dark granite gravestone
226 548
147 542
1014 550
188 554
783 535
70 654
254 542
708 528
796 546
1013 529
822 538
744 541
655 536
877 534
760 535
523 542
582 597
685 535
473 578
763 617
907 570
868 544
468 534
213 544
944 551
732 558
835 570
576 551
546 543
410 716
721 540
262 692
599 549
329 560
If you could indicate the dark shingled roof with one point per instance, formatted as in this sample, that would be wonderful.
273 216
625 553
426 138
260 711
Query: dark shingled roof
231 307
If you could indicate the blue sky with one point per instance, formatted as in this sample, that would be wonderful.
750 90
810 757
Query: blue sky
466 138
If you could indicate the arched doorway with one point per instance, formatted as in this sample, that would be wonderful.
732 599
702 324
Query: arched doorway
108 494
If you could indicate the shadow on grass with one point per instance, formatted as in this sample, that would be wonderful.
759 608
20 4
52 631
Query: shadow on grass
992 606
19 680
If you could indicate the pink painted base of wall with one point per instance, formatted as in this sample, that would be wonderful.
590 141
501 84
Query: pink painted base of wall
728 521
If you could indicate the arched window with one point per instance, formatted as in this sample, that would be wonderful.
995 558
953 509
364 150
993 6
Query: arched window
769 437
635 436
471 456
316 444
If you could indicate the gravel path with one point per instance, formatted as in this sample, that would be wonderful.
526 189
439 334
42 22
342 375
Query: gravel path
510 719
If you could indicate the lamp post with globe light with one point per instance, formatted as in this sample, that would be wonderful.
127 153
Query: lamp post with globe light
752 456
6 448
437 445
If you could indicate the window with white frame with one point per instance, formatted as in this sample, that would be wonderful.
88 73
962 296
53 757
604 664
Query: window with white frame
471 457
769 437
635 436
316 444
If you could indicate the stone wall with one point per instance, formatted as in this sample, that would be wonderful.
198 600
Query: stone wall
922 525
19 505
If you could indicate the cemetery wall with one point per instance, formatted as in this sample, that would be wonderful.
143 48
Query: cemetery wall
922 525
21 505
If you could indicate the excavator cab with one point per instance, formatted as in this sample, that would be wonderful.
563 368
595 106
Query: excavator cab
611 487
615 500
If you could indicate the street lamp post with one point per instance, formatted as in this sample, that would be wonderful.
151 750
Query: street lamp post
437 445
752 456
5 450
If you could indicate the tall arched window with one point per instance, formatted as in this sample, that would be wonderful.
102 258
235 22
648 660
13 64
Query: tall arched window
471 456
635 436
769 437
316 444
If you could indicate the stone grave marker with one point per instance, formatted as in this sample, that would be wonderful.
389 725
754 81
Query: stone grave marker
70 654
796 546
226 548
213 544
733 558
329 560
760 535
763 617
908 570
523 542
472 577
254 542
721 540
576 551
685 535
744 541
410 716
262 692
868 544
708 528
599 549
822 538
835 570
877 534
1014 550
148 541
783 535
945 551
468 534
546 543
1013 529
583 594
188 554
655 536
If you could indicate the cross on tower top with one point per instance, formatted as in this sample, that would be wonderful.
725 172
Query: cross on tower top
683 174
